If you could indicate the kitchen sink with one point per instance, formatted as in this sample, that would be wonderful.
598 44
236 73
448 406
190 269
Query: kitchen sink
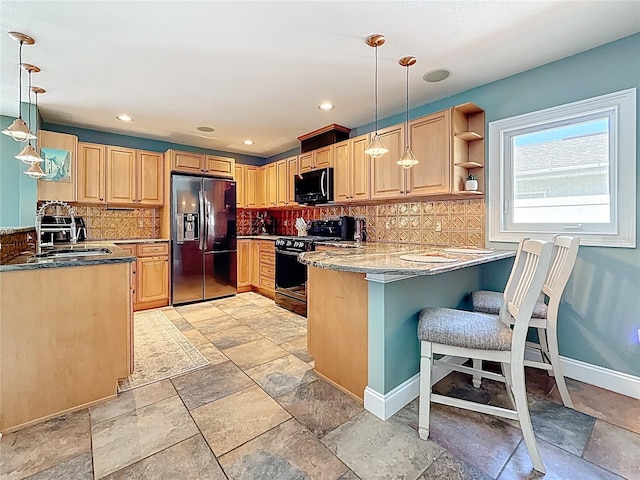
68 253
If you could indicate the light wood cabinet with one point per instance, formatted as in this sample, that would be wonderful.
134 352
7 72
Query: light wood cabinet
250 189
244 265
468 127
254 268
63 190
240 176
387 177
134 177
282 195
214 165
292 172
272 184
319 158
351 175
267 268
151 274
261 187
91 178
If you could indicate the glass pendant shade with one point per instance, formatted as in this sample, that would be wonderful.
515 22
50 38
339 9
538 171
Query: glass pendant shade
408 159
29 155
34 171
19 131
376 148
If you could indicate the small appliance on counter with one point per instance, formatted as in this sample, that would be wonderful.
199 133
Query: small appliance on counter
62 236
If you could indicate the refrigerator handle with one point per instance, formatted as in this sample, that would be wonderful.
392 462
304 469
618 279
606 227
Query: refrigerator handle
206 225
202 226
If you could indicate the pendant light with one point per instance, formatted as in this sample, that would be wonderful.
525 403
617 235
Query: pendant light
35 170
29 154
19 130
376 148
408 159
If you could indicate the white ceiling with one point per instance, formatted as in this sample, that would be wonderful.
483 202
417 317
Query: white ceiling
259 69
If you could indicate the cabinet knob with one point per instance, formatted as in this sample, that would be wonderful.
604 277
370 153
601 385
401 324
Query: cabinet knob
101 199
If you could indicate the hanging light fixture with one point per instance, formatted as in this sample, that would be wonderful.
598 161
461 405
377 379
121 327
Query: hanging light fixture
35 170
19 130
29 154
376 148
408 159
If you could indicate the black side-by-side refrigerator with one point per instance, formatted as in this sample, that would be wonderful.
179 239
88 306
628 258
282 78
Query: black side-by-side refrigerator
203 238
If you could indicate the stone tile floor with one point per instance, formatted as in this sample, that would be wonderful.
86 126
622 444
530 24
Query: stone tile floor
259 412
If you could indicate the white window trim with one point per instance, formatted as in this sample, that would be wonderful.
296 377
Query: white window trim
622 169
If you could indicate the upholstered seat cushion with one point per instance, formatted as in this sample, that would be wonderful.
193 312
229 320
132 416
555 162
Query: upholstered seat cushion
463 329
484 301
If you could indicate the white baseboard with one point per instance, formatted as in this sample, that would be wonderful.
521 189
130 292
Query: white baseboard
606 378
384 406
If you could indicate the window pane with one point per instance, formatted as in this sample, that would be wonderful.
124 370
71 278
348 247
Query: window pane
561 174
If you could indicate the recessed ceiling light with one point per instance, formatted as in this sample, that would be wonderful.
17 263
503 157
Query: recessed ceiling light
125 118
436 75
248 142
325 107
206 129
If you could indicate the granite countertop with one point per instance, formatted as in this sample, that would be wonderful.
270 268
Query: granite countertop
259 237
382 258
30 262
10 230
136 240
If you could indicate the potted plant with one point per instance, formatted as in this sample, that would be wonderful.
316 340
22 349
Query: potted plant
471 184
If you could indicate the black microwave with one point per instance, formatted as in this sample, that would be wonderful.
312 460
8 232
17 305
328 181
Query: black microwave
314 187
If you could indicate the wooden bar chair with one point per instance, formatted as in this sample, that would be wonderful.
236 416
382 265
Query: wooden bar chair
545 316
458 333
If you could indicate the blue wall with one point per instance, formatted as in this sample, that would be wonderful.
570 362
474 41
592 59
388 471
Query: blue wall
106 138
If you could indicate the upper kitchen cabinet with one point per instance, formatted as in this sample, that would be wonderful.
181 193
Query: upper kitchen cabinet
240 176
387 177
214 165
430 141
272 185
352 167
468 128
250 189
91 185
282 189
261 187
134 177
292 172
320 158
62 186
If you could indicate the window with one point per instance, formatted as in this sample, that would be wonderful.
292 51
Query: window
569 169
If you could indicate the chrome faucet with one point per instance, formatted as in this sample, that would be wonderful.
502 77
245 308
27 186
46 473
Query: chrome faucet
40 228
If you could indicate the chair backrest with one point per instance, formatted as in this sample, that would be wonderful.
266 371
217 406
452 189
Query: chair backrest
563 259
527 277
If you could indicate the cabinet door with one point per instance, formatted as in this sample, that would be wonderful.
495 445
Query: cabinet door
292 171
121 175
283 184
430 142
251 186
188 162
261 187
62 190
91 173
324 157
219 166
272 185
150 178
241 182
153 279
255 263
342 173
387 177
305 162
244 263
360 168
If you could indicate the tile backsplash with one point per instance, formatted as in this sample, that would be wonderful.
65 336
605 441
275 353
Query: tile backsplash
117 224
461 222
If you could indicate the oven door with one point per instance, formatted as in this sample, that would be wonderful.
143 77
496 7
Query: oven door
291 283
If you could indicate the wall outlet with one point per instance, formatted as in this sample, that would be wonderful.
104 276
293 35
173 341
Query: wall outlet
140 223
438 226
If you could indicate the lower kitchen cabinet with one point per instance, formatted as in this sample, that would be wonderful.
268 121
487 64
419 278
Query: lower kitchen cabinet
257 266
151 274
244 265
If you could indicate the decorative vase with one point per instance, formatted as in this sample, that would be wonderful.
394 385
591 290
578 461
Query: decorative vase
471 185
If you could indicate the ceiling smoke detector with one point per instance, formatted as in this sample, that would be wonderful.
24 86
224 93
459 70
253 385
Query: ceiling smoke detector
436 75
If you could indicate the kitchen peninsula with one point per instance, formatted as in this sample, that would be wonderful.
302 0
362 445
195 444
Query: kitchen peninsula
363 305
65 331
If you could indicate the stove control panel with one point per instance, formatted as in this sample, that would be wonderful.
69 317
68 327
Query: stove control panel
294 245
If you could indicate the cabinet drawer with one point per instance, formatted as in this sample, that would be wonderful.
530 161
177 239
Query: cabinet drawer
130 248
267 246
267 270
268 258
153 249
268 283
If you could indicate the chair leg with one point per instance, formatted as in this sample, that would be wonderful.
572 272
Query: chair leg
554 356
544 347
522 408
506 373
425 390
477 379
